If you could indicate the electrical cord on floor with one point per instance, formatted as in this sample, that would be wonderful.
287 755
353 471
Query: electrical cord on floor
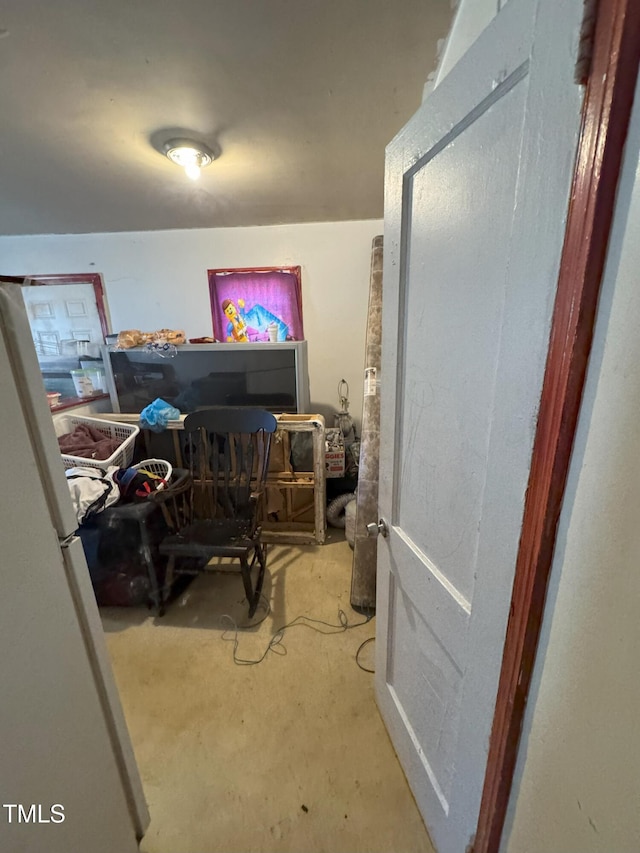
275 644
360 648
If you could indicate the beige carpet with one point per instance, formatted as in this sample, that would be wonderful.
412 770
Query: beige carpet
289 756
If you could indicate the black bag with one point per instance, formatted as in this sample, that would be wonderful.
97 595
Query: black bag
135 485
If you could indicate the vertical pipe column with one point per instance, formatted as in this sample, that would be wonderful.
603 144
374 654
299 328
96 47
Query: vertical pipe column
365 548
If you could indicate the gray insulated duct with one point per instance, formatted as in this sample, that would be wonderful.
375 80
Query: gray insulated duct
365 548
336 511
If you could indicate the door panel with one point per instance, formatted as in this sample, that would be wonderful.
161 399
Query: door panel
426 683
476 197
446 411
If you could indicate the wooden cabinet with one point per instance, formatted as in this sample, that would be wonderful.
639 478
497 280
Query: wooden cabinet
295 509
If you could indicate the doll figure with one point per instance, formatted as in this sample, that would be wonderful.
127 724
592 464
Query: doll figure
237 328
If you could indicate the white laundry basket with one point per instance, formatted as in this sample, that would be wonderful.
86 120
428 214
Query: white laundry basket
124 433
158 468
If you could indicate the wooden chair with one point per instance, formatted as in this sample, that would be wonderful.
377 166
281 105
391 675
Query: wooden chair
227 449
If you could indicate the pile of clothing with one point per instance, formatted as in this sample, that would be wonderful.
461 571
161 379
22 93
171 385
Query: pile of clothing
92 490
88 442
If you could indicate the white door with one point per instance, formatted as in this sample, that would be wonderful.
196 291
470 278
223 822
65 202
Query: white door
60 315
63 739
477 191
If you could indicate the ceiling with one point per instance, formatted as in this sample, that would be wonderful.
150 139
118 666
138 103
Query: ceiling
300 96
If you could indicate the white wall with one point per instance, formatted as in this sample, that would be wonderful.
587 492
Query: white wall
159 279
577 785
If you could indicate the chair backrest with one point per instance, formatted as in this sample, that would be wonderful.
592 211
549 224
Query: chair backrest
227 448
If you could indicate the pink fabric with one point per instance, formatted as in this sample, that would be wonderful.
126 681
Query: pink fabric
274 293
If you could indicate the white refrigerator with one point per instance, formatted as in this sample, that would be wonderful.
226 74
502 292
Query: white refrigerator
68 777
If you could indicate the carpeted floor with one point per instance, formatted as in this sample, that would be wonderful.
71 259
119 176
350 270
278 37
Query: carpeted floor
288 756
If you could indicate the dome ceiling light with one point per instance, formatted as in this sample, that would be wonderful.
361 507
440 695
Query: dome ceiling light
192 156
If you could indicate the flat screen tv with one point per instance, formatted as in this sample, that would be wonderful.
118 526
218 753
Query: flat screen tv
273 376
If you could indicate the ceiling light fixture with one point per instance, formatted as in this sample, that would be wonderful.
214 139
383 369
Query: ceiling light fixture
192 156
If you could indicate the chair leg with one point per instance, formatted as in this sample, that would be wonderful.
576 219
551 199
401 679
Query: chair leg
261 554
253 592
245 570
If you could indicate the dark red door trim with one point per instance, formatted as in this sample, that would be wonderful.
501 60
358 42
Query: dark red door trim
605 120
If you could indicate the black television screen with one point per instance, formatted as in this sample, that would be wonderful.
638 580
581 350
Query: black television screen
272 376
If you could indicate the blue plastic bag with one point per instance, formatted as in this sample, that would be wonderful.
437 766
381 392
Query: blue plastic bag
157 415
